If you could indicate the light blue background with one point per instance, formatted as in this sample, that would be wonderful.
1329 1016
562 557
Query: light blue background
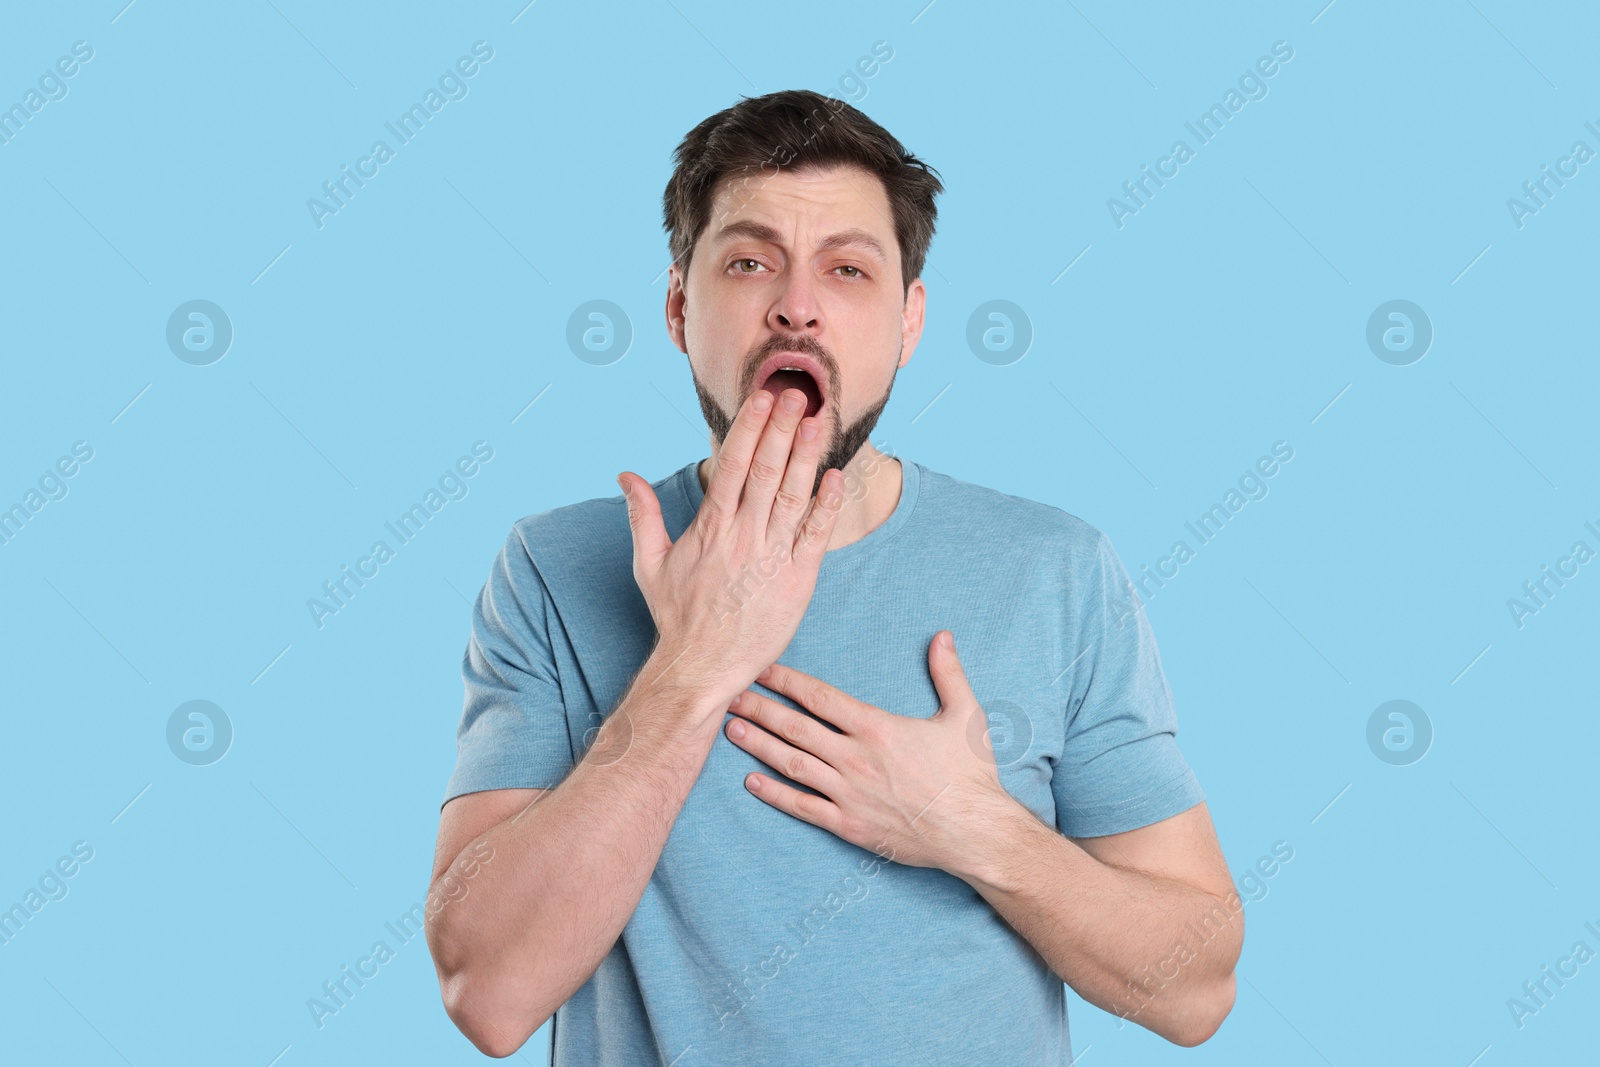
368 355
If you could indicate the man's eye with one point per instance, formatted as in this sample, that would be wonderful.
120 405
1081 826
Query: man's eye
737 262
857 270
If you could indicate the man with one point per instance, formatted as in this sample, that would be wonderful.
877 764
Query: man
876 851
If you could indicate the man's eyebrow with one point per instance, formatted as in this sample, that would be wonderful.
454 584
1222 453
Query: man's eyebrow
856 237
760 231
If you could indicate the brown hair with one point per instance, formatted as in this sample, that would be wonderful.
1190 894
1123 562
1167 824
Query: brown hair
789 130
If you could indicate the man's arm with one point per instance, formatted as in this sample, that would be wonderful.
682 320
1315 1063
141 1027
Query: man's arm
1144 924
548 879
566 867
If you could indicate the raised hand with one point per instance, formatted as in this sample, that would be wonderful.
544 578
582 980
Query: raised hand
728 596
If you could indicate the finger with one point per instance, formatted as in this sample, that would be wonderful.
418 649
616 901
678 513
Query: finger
818 811
789 505
771 459
800 731
816 696
791 762
650 540
817 530
949 678
733 458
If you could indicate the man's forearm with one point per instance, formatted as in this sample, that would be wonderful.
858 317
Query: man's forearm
1147 948
569 869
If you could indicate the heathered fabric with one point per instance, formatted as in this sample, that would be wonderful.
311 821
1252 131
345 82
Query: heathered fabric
761 938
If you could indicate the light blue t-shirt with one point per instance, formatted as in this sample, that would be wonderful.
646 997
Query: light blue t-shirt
761 938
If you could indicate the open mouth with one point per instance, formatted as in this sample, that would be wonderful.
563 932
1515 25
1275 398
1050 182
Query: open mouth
795 373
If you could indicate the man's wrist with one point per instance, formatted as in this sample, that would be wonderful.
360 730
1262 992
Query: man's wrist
1005 835
675 682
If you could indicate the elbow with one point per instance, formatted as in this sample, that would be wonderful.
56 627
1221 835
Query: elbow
482 1017
1207 1014
489 1008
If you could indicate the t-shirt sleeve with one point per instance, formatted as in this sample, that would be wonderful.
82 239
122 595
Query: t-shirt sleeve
513 732
1120 767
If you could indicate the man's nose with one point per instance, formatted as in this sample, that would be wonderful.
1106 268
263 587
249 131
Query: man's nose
796 307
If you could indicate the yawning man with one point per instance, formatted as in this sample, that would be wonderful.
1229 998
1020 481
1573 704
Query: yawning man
807 753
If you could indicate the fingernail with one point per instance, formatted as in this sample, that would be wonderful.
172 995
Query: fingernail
763 400
766 673
736 728
808 431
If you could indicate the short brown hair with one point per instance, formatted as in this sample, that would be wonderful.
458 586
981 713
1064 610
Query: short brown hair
789 130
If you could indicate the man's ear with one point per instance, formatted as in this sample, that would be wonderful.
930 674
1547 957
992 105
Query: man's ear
677 300
911 320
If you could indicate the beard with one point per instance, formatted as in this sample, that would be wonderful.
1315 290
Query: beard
841 443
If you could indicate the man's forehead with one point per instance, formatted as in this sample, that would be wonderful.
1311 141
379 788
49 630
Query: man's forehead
836 206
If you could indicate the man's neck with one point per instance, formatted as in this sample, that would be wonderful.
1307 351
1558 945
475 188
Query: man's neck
872 483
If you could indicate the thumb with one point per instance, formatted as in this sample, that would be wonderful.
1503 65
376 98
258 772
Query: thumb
957 703
650 540
949 679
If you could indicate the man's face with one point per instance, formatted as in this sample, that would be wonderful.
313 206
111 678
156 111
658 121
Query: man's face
787 264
